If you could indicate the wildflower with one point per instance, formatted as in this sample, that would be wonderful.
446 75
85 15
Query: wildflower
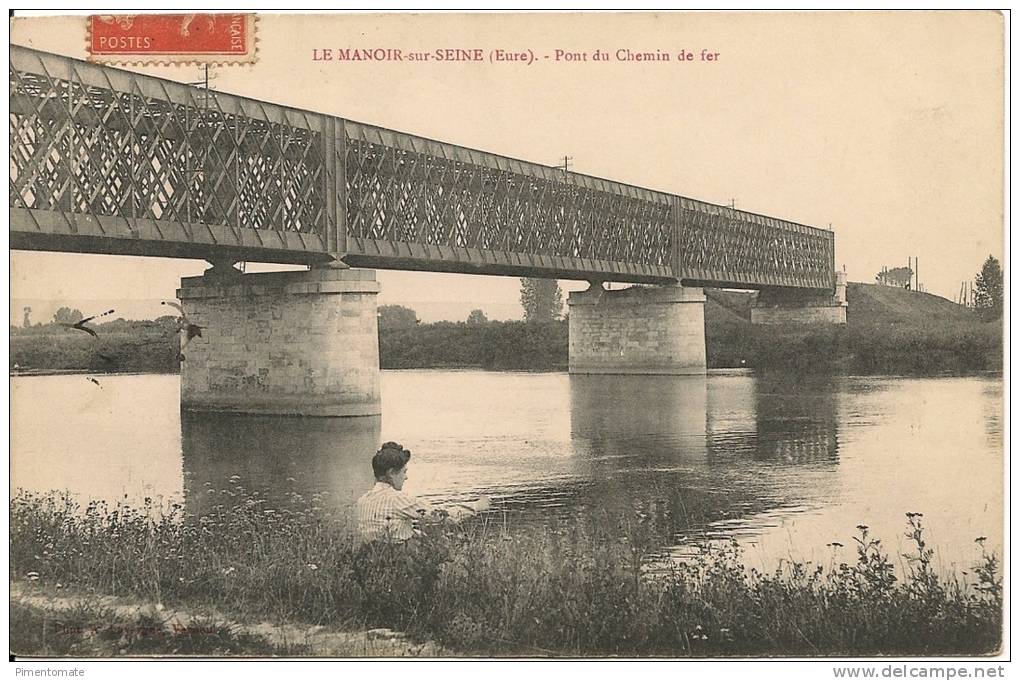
32 576
862 528
980 540
313 566
59 585
228 570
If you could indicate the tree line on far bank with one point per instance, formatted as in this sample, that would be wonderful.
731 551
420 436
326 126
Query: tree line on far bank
930 342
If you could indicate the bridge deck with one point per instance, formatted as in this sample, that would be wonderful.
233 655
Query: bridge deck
109 161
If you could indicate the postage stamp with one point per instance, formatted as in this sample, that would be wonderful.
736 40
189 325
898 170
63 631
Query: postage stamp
172 38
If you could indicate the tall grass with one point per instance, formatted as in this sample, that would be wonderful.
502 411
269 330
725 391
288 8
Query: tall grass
481 589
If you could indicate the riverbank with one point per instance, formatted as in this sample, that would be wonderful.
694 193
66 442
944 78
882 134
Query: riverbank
890 331
120 347
483 590
51 622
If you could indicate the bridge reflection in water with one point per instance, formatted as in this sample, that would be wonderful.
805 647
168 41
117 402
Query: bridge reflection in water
684 455
276 456
689 454
774 418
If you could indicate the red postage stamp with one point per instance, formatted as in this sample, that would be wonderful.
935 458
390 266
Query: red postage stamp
173 38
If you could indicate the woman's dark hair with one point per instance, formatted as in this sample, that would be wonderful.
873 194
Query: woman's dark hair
391 455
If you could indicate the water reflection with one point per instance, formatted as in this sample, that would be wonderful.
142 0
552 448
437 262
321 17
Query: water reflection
617 421
797 419
789 463
686 453
276 456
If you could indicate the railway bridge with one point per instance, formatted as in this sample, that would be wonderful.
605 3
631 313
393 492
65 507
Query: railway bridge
109 161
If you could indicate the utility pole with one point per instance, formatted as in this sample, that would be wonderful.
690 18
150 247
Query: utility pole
733 204
204 84
566 163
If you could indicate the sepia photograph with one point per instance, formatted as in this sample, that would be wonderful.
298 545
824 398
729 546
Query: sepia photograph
509 335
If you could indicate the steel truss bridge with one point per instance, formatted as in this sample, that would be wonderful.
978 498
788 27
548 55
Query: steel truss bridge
109 161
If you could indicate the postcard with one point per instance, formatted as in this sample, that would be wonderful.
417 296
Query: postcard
508 335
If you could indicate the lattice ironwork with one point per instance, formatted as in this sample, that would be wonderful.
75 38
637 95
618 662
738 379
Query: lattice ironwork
727 246
128 149
409 190
106 160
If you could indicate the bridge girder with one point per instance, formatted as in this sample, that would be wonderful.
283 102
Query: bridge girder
106 160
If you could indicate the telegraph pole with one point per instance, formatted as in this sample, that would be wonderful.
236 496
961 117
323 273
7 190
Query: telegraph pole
204 84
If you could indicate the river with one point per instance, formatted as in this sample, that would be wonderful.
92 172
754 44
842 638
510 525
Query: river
783 464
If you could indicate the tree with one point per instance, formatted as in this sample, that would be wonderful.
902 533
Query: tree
988 289
477 317
66 315
897 276
27 322
397 317
541 299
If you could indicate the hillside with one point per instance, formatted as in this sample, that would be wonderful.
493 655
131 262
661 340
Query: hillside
889 331
727 306
875 304
868 304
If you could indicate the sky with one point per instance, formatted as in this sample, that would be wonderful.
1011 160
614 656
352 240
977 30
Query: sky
886 126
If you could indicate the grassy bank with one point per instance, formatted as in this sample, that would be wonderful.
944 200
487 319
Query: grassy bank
481 590
891 331
859 349
120 346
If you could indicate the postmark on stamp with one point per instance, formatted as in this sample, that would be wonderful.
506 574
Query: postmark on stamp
173 38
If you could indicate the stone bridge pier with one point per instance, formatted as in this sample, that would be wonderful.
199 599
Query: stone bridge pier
792 306
638 330
301 343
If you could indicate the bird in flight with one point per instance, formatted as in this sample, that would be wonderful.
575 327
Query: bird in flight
80 325
92 380
183 324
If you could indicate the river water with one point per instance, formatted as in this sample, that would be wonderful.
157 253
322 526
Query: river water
784 464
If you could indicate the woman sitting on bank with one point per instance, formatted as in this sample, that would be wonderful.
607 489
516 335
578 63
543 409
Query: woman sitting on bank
386 513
